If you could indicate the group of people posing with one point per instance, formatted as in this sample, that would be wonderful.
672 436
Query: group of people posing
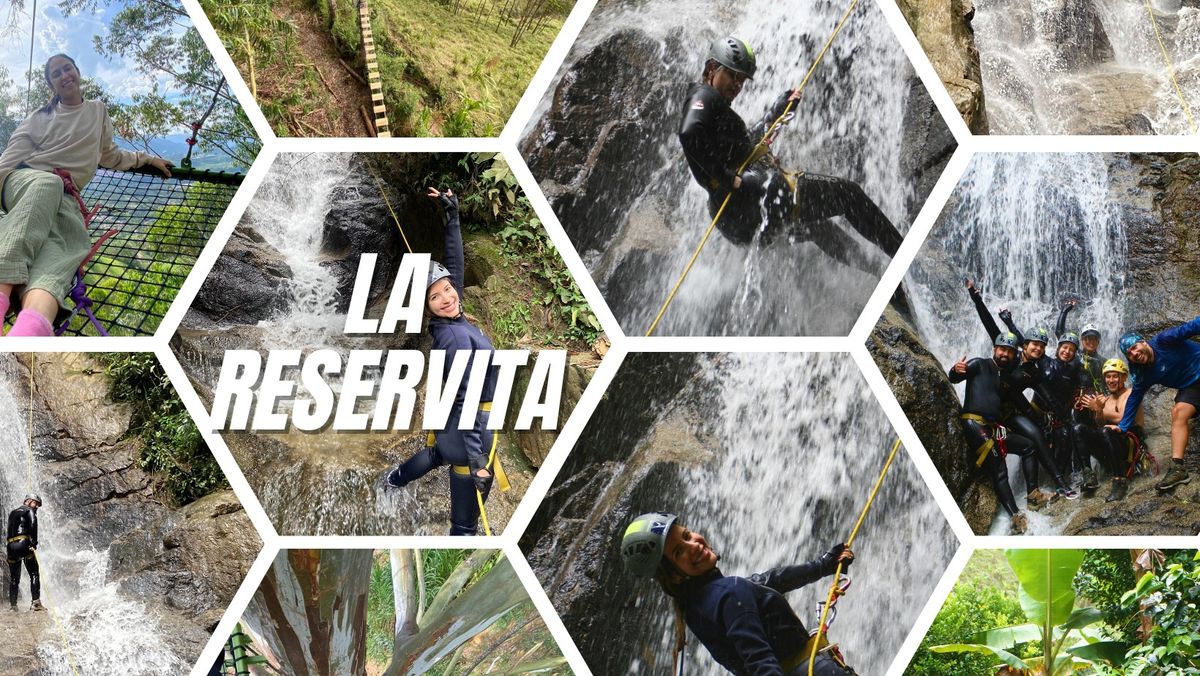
1083 406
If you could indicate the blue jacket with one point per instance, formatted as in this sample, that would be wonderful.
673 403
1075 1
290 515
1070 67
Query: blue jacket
1176 364
745 623
457 334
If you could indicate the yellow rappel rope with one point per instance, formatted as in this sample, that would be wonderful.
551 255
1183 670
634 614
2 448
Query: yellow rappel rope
754 153
396 219
812 658
29 449
1187 110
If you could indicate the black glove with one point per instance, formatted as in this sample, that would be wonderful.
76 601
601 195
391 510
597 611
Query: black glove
482 484
830 558
448 200
779 106
1006 315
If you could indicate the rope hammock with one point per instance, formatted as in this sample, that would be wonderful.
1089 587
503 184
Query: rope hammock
149 232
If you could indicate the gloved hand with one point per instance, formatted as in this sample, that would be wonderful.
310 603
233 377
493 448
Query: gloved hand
779 106
447 199
1005 314
482 483
830 558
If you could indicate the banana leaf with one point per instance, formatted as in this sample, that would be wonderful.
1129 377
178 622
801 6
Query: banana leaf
1045 577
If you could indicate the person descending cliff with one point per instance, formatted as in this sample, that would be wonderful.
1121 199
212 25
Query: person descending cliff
20 545
1172 359
745 622
716 142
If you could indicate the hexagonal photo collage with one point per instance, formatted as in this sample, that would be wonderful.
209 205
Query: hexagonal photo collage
600 337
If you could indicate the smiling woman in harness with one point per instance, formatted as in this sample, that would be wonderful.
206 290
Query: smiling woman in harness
745 622
51 156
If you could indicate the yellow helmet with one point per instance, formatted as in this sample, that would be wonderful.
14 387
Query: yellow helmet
1115 365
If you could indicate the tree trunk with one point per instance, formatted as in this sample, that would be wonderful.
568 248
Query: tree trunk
455 622
404 592
311 611
331 14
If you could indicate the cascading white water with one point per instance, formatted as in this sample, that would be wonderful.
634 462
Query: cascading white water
1034 77
289 212
848 124
107 631
1031 230
798 442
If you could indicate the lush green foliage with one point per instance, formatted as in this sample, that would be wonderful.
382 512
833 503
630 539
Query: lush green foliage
970 608
1171 597
1104 577
381 611
172 446
492 201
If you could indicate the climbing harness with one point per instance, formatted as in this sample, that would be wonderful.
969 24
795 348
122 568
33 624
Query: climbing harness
756 152
382 128
998 435
1139 460
1187 110
62 634
837 576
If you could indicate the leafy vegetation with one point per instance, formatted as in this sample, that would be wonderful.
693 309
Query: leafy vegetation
172 446
492 202
1076 612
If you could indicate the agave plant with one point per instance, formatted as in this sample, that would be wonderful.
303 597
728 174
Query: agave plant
1048 599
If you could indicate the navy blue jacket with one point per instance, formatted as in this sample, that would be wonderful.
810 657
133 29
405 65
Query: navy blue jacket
745 623
457 334
1176 364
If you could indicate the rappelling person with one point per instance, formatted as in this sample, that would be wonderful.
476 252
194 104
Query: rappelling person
1108 410
716 142
1172 359
745 623
21 543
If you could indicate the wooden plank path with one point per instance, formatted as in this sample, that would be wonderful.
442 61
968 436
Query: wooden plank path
382 128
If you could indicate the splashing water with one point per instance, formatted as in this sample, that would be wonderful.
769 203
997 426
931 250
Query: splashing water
785 450
107 631
1031 230
848 124
1042 59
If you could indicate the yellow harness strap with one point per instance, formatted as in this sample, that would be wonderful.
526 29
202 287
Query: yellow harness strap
18 538
801 657
982 451
493 462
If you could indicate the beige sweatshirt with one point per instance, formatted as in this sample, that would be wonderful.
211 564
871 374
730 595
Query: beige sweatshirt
75 138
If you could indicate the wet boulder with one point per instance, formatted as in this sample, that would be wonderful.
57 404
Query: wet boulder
944 30
248 282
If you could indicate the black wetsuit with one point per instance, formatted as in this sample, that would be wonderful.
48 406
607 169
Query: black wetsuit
1087 432
748 626
466 451
22 539
1062 382
716 141
1018 415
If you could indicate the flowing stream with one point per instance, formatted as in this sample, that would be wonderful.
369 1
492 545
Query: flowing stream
1042 59
848 124
107 631
1032 230
771 458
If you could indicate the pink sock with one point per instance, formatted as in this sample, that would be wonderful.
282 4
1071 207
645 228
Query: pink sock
31 323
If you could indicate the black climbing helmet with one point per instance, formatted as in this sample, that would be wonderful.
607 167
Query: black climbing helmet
35 497
645 541
1037 334
734 54
1007 339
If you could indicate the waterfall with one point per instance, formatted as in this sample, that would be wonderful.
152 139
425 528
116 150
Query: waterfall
848 124
783 451
289 212
1032 230
108 631
1041 58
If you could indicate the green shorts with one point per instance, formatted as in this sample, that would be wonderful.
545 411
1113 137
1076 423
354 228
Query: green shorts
42 236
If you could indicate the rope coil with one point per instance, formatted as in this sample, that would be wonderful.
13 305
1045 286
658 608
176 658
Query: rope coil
772 129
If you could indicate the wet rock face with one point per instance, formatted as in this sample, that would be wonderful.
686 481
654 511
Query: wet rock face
248 282
1110 103
927 144
81 437
194 560
944 30
1079 36
586 151
1163 276
929 401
